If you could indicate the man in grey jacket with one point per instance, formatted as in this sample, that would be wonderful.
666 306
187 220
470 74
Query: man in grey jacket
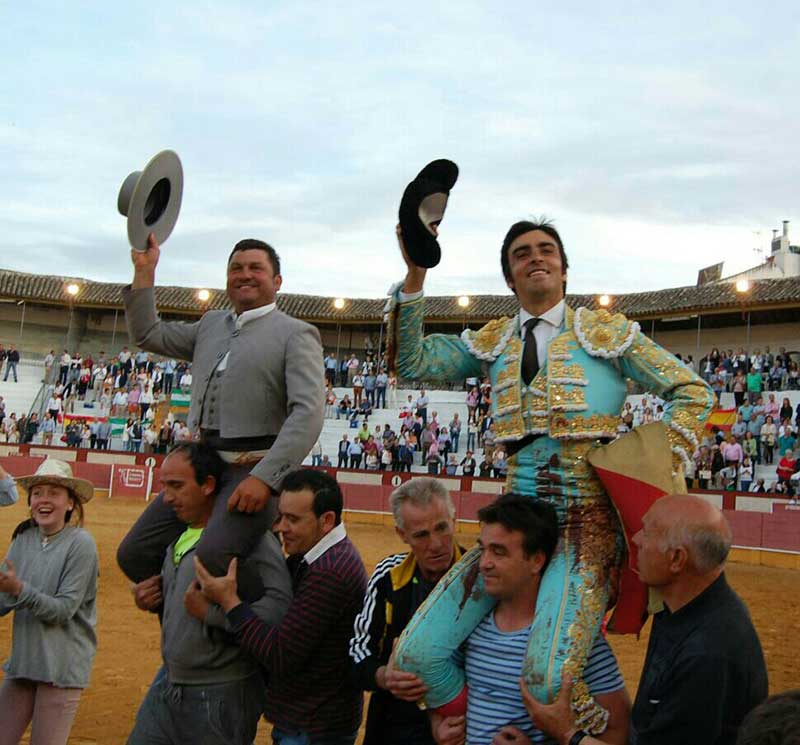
257 398
207 690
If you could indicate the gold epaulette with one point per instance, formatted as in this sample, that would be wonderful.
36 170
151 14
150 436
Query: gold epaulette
603 334
489 341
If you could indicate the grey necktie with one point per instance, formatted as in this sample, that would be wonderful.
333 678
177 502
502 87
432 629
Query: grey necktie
530 357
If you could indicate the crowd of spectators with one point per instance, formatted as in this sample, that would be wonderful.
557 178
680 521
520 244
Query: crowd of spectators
749 375
126 386
764 433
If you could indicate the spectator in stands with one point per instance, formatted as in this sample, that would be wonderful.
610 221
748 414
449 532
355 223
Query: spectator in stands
422 406
316 453
358 388
343 452
786 437
365 409
344 407
793 376
754 384
758 487
104 434
330 363
381 383
208 689
355 450
499 462
739 388
746 474
750 446
151 438
12 360
311 693
371 460
769 435
739 427
468 464
31 428
126 435
145 400
186 381
786 468
330 402
424 519
49 581
444 442
785 411
352 366
488 442
455 431
48 428
518 537
432 458
717 465
702 460
370 381
136 435
387 459
771 407
472 404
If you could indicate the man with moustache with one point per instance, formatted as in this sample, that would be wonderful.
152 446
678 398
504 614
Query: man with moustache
257 398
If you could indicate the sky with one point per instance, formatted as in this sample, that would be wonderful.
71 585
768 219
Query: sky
660 138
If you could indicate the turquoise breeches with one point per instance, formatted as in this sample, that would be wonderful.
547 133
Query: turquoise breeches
573 595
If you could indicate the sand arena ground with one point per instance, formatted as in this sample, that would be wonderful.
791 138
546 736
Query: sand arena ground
128 653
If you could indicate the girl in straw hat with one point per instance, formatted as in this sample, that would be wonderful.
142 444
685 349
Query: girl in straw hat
49 580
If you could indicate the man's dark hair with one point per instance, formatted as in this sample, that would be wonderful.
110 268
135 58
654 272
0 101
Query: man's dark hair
525 226
535 519
253 244
204 459
325 488
773 722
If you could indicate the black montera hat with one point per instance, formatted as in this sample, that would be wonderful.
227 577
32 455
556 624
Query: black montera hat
422 207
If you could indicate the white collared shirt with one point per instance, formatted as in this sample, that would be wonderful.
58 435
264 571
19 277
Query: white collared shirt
243 319
323 544
548 328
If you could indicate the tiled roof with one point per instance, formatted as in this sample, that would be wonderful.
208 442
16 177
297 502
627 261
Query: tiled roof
673 301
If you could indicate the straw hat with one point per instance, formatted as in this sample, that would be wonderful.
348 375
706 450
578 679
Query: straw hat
58 472
151 199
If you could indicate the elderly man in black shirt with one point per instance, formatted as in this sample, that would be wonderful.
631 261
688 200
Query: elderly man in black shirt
704 669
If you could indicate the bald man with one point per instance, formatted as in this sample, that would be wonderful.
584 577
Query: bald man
704 669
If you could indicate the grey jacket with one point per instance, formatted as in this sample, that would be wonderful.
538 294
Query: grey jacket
56 613
273 383
197 653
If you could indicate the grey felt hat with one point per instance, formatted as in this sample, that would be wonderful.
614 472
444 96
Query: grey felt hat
151 199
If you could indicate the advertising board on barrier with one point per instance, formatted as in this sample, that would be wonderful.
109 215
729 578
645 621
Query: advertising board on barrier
130 481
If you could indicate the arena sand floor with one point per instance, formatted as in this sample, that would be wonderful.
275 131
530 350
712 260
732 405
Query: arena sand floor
128 650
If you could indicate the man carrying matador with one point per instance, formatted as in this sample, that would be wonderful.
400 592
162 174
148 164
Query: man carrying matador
559 380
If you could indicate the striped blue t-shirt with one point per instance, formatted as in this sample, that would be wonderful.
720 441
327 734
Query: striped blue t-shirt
493 663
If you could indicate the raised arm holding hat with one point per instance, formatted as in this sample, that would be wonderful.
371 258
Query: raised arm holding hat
257 397
558 378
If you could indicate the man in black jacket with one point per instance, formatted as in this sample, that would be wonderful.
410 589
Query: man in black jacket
424 518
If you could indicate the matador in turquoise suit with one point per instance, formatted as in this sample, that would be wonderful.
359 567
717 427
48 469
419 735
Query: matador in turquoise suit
559 380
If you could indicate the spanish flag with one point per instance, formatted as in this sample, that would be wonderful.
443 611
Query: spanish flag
722 419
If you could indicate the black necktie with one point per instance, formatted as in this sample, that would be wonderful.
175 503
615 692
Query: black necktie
530 357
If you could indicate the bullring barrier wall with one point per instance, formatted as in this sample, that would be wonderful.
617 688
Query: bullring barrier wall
766 530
